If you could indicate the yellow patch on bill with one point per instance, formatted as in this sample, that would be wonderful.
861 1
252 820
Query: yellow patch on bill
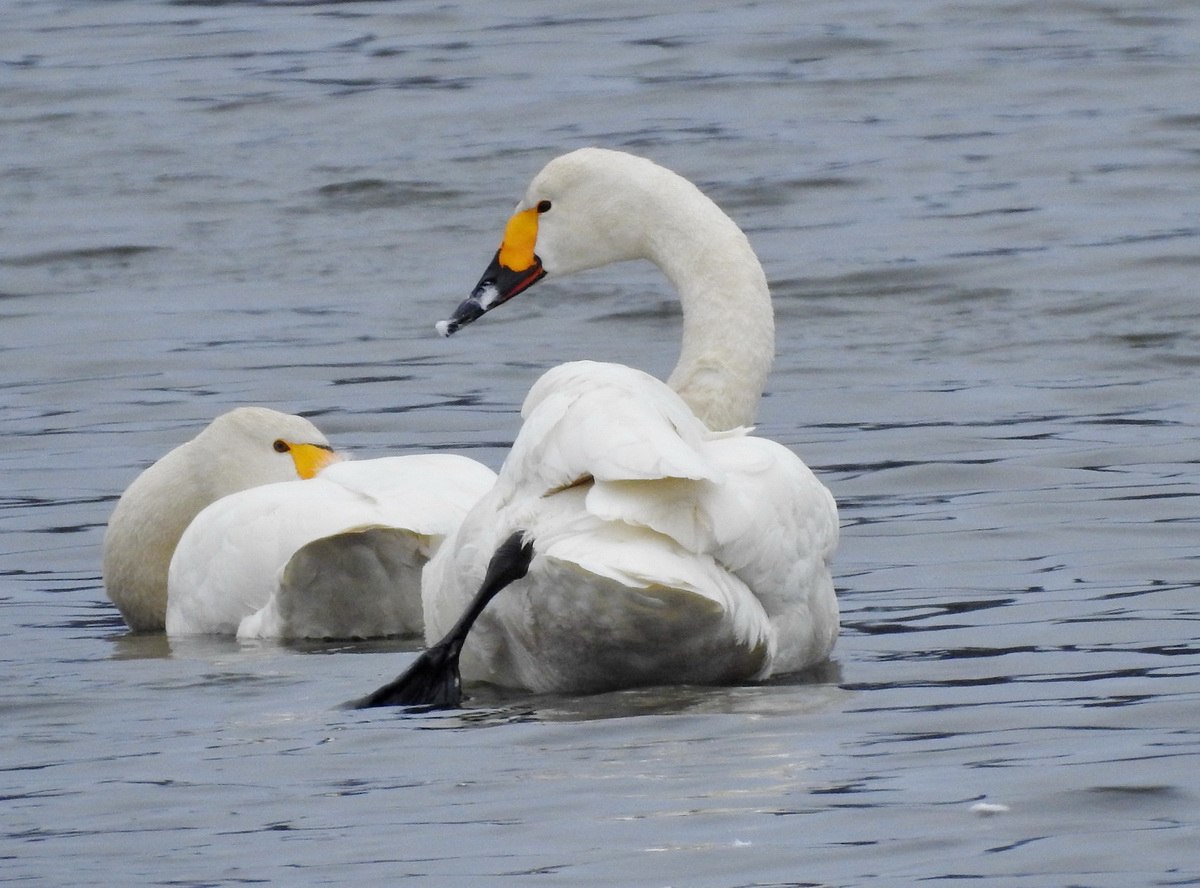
520 235
311 458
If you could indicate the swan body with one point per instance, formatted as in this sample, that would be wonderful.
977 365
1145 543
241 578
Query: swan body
256 528
671 546
665 552
337 556
243 448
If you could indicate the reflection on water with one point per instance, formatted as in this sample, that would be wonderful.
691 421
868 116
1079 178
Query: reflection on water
981 230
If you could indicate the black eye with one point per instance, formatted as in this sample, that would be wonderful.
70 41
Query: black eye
543 206
281 446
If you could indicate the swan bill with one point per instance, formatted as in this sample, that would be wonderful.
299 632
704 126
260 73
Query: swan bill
310 459
498 284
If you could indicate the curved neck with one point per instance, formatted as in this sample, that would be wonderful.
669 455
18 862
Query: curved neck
728 325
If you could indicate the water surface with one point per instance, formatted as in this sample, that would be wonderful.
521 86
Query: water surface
981 226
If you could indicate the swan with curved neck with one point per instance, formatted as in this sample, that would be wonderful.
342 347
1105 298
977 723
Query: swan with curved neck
669 545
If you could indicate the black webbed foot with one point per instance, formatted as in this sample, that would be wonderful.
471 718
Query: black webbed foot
432 681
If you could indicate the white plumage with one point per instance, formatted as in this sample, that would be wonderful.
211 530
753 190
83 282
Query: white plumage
665 551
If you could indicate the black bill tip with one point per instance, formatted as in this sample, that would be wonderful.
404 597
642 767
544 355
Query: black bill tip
498 285
468 310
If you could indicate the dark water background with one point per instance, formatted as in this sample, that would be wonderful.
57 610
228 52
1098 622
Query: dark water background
982 225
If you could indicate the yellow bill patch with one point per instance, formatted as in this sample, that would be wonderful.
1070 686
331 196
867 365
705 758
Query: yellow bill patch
520 235
310 458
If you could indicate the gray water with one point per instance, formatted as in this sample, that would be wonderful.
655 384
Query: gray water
982 226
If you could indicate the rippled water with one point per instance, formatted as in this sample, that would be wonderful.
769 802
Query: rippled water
982 225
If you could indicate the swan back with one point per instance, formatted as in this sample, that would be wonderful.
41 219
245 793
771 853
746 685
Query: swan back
587 420
335 556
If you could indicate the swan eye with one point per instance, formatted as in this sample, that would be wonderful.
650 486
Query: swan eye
543 206
281 446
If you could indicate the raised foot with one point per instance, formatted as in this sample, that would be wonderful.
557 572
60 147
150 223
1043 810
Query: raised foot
432 681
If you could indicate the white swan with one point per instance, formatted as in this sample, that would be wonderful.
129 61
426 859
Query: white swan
670 546
225 523
239 449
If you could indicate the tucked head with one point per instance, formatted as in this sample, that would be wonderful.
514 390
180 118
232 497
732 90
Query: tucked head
253 445
243 448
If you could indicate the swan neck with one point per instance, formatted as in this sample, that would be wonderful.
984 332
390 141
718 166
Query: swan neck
728 340
142 533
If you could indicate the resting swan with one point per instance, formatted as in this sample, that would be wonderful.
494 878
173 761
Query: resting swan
255 527
670 546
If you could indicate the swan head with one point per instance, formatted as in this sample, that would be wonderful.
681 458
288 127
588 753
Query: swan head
585 209
249 446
